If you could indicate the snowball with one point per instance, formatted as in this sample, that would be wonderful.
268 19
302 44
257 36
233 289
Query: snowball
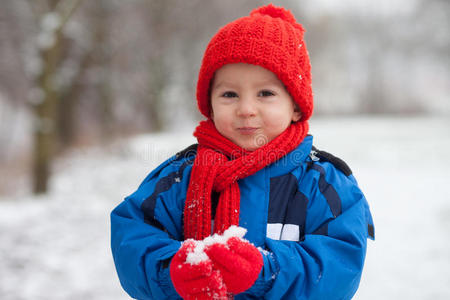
235 231
198 254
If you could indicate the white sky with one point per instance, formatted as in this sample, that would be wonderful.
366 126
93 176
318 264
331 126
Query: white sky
384 7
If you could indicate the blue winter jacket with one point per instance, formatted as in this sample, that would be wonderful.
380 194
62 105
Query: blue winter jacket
307 215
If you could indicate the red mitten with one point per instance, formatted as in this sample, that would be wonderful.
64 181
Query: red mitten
238 261
193 276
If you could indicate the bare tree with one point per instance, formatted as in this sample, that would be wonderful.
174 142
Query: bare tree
52 20
90 71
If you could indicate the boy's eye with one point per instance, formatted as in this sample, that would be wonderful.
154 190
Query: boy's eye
229 94
265 93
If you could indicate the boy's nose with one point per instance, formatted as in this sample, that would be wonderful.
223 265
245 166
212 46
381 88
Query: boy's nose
246 107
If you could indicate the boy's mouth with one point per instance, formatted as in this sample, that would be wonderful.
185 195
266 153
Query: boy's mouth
247 130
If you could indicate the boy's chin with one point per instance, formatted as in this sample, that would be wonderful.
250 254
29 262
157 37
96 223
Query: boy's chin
250 146
254 143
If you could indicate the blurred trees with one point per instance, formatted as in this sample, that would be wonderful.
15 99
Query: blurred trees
380 57
116 68
52 16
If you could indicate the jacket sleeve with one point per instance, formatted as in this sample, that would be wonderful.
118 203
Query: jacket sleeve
328 262
146 231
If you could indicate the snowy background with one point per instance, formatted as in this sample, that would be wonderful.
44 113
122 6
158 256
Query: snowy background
57 246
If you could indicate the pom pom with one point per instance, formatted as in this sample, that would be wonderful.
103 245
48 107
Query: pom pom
275 12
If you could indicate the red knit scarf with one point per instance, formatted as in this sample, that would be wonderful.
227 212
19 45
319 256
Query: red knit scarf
218 166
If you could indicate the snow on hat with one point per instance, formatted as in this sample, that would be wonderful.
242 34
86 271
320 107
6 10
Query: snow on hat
269 37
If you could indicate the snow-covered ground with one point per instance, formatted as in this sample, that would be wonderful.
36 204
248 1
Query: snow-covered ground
57 246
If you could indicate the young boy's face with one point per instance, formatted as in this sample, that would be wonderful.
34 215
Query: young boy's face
250 105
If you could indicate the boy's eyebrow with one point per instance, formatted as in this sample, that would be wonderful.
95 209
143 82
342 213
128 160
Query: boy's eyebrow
215 86
270 82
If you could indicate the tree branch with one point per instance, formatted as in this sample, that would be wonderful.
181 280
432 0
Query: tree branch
68 12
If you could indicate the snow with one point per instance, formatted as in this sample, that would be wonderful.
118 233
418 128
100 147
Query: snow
57 246
263 251
199 255
233 231
50 22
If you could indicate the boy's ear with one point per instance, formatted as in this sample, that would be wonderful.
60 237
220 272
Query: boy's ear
297 114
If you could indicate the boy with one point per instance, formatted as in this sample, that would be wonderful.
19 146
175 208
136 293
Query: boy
304 218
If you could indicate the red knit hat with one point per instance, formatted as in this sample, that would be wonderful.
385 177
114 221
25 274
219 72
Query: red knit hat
269 37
